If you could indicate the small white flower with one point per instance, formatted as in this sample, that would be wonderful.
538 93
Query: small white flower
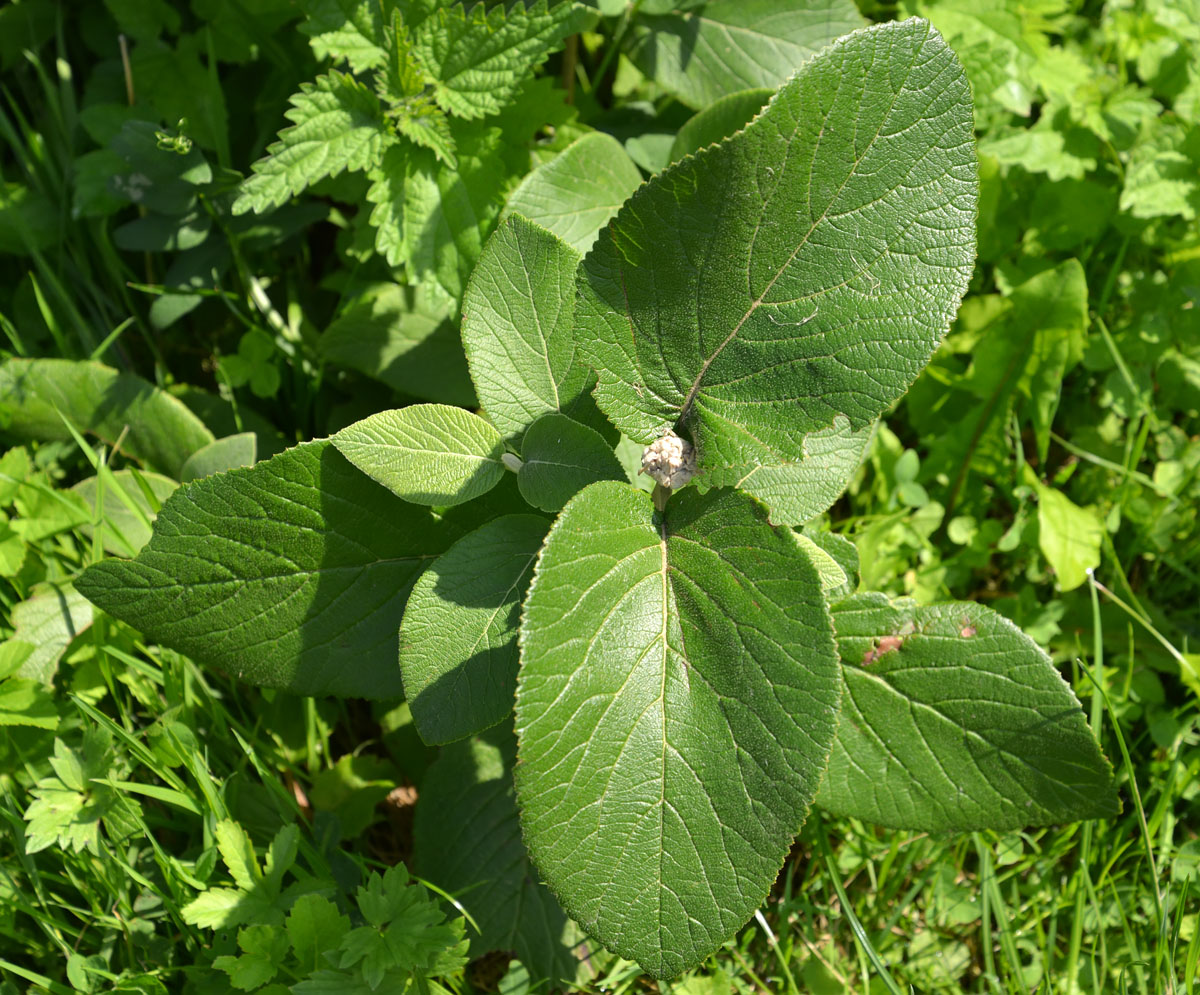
671 461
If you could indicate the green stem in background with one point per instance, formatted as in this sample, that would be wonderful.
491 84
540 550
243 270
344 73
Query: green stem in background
612 51
1098 694
856 927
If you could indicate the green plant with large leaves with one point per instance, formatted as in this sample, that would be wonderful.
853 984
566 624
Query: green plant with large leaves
692 668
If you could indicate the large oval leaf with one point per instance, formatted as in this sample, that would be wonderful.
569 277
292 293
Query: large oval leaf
954 719
292 573
803 269
675 707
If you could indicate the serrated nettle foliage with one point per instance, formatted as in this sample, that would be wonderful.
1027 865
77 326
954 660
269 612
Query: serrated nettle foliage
691 671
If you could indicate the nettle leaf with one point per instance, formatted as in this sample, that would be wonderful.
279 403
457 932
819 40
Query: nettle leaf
467 841
432 219
803 269
154 427
349 30
518 315
729 45
953 719
796 491
291 573
428 453
675 707
458 637
576 193
337 124
479 57
560 458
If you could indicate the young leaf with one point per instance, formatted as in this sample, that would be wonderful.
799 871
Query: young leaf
458 637
953 719
479 57
467 840
804 268
560 458
575 193
153 426
349 30
675 707
428 453
337 124
730 45
518 314
291 573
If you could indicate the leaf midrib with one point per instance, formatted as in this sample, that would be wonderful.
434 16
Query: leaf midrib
883 118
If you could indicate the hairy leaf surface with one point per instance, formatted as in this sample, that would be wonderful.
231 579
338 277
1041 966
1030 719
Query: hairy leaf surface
675 707
802 269
953 719
292 573
428 453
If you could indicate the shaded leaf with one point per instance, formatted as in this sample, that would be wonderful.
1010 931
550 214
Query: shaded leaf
292 573
153 426
458 638
467 840
560 457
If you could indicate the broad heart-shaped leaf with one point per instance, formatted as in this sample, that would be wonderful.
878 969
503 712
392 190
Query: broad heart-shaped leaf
729 45
428 454
804 268
675 707
518 315
154 427
467 841
576 192
292 573
458 638
953 719
560 458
